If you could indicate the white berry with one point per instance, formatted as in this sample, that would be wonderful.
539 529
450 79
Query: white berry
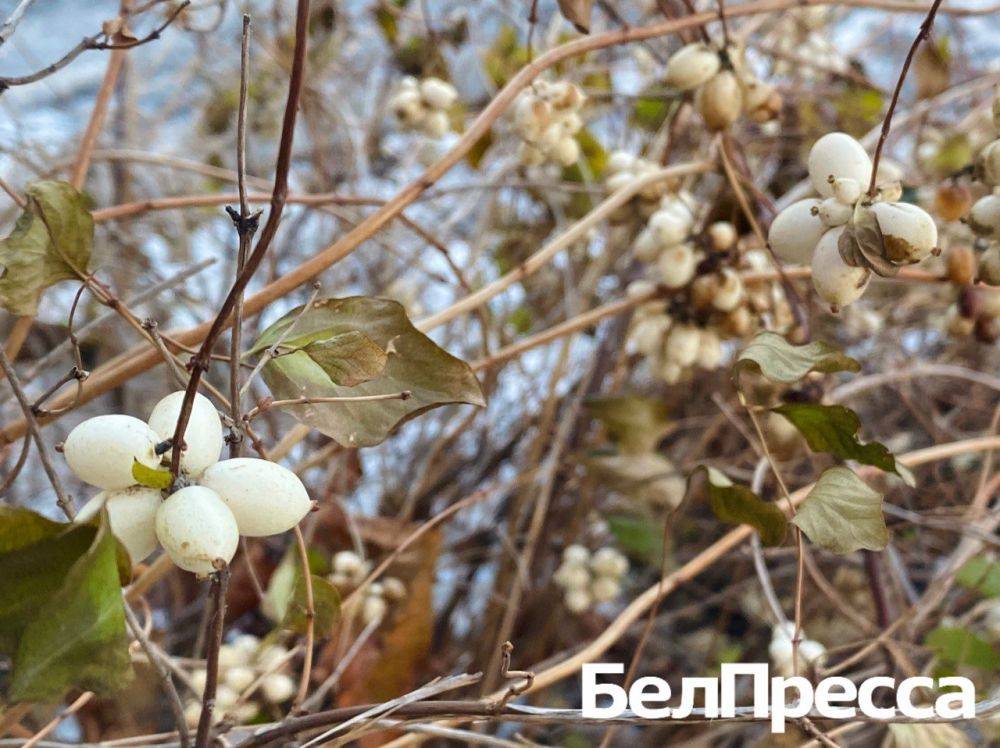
277 688
605 589
196 529
132 516
832 212
691 66
265 497
837 155
677 265
101 450
835 281
984 218
909 232
796 231
203 437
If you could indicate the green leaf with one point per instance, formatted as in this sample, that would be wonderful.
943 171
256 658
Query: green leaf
739 505
151 477
326 606
782 362
61 615
648 478
980 574
962 648
843 514
639 537
349 358
51 242
636 424
833 429
414 363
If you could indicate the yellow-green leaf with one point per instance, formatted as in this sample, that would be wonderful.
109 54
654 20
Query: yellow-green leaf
51 242
739 505
151 477
843 514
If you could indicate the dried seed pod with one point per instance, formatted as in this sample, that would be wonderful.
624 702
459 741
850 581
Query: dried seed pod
952 201
909 233
691 66
720 101
796 231
836 282
961 263
837 155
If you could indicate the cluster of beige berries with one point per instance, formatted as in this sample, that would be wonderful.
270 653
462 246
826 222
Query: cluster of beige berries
800 35
350 570
845 234
199 520
984 217
588 579
423 105
251 676
623 169
781 650
724 87
547 119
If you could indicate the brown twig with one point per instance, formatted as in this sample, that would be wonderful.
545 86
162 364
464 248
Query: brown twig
215 625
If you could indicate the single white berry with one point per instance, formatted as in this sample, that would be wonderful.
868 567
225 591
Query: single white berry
529 155
265 497
239 678
647 334
101 450
620 161
605 589
132 516
647 247
203 438
796 231
668 227
577 600
728 291
691 66
988 164
572 576
435 124
198 679
407 107
836 282
722 235
576 554
373 609
438 93
811 650
192 713
682 344
231 656
847 190
677 265
272 657
984 218
670 371
567 151
640 289
197 529
277 688
394 588
247 643
720 101
837 155
832 212
348 563
908 231
709 350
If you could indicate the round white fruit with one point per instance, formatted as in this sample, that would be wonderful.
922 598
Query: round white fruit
101 450
577 600
203 436
438 93
196 528
836 282
796 231
720 101
265 497
728 291
576 554
277 688
605 589
572 576
669 227
984 218
608 562
832 212
709 350
132 516
682 344
837 155
909 232
847 190
692 65
677 265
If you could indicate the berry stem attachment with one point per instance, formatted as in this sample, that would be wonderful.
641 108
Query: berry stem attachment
922 34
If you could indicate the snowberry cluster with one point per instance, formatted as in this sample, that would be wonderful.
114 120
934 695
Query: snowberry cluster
799 35
724 88
621 170
589 579
845 234
251 676
423 105
212 503
781 648
350 570
547 119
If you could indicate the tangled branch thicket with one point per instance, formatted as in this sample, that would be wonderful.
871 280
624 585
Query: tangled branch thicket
659 333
